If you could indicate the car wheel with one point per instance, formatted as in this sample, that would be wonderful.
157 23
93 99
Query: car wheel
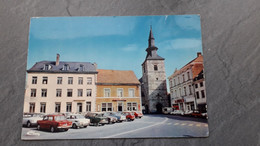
110 121
38 127
85 126
66 129
52 129
75 126
28 124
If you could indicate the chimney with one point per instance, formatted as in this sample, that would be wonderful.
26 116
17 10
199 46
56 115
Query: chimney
57 60
198 54
95 64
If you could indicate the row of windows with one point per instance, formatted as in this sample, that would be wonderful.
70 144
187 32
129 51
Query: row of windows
184 93
202 94
65 67
59 92
197 85
173 82
58 107
130 106
120 92
59 80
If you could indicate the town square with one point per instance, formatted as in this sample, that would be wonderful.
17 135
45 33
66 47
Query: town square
80 86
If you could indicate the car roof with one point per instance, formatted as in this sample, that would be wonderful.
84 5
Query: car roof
54 115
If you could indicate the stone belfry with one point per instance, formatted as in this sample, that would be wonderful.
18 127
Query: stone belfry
153 88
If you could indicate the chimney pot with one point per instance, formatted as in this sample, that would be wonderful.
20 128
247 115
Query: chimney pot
95 64
198 54
57 60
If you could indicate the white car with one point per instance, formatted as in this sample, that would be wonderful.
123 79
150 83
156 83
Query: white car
167 110
30 120
187 113
78 121
177 112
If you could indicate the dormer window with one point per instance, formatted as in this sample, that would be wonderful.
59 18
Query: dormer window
81 67
46 67
66 67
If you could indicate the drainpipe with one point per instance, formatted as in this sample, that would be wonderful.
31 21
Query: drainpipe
140 97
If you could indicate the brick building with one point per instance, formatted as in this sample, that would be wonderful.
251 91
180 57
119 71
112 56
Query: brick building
183 85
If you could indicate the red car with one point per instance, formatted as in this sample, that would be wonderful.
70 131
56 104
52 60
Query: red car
138 114
54 123
129 116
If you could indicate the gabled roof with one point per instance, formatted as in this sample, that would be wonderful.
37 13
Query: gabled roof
73 67
196 66
116 77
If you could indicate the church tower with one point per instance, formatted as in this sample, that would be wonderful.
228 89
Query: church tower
153 88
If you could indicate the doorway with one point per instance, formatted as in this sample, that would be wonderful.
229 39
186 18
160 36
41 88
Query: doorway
79 107
159 108
119 106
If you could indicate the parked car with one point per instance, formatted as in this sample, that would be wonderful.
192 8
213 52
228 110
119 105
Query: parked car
177 112
30 120
78 121
167 110
97 118
187 113
138 114
54 123
200 114
111 119
196 114
204 115
129 116
119 116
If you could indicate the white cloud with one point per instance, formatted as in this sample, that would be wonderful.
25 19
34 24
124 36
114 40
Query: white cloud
129 48
184 43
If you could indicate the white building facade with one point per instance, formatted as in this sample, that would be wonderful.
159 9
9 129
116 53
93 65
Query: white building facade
182 91
60 87
200 92
182 87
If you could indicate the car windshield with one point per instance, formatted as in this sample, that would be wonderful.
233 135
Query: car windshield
59 118
37 115
118 114
80 117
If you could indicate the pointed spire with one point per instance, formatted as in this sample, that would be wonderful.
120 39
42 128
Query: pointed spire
151 38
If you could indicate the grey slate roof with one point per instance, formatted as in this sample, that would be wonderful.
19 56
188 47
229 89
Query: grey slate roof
152 54
74 67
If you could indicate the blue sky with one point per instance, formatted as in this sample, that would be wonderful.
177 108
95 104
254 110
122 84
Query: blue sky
117 42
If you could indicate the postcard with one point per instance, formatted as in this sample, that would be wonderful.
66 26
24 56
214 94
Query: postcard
115 77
